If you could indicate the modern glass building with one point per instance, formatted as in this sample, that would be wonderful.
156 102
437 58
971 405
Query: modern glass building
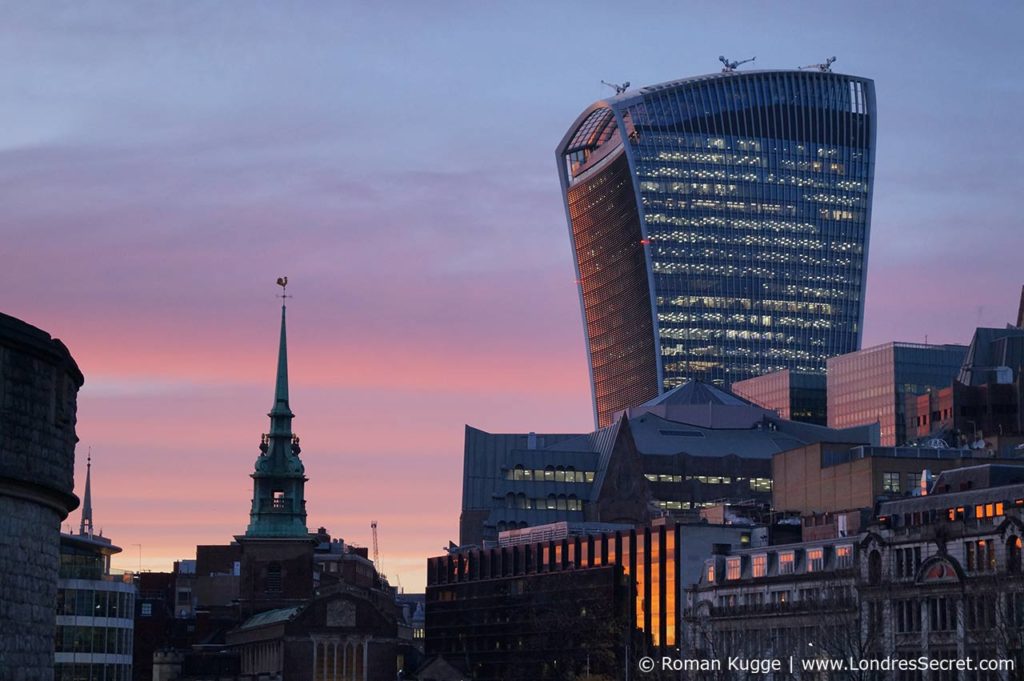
871 385
719 227
793 395
95 613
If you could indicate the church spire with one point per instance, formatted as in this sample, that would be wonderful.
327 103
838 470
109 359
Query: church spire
278 503
86 526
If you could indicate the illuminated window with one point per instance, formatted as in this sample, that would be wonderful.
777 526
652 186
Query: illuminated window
787 563
760 565
815 560
711 572
732 568
844 557
891 483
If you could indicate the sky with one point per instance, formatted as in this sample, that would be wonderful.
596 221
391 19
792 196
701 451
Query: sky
162 163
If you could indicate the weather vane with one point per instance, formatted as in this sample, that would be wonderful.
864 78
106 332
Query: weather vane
283 283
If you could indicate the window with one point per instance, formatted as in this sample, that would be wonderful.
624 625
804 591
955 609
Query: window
815 560
278 499
787 563
711 572
732 568
760 565
891 482
980 555
273 583
147 610
989 510
844 556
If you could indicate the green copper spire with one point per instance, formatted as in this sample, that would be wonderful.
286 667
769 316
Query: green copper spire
278 503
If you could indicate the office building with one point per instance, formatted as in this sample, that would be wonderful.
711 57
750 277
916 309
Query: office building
95 609
719 227
871 385
794 395
829 485
550 609
693 447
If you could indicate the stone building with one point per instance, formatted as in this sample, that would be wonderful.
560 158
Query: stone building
39 382
938 575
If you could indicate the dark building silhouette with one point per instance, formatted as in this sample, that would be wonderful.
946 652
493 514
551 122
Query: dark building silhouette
39 384
719 227
560 608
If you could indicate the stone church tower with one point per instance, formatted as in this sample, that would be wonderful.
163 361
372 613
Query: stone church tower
277 549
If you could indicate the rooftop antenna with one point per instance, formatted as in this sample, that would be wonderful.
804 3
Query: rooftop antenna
730 66
824 68
619 88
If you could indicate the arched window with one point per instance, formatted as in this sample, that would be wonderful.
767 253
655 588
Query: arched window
1013 551
559 474
522 502
549 473
570 474
874 568
517 472
552 502
510 500
561 502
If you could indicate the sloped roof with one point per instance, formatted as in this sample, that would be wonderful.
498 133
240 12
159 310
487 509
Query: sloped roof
697 392
270 617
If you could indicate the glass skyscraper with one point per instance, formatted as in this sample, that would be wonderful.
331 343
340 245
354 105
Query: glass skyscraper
719 227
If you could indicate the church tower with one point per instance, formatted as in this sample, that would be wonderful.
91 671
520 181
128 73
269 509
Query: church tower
278 497
277 549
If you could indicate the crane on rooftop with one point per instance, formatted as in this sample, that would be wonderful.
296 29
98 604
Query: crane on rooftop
824 68
619 88
730 66
376 551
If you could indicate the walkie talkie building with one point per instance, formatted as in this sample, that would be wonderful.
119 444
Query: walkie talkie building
719 227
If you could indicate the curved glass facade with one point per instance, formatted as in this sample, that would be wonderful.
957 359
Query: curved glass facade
752 198
95 614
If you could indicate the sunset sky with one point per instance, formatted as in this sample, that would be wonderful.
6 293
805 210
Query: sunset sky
161 165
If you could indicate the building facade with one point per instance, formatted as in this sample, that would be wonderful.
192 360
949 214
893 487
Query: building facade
693 447
554 609
95 613
831 478
794 395
936 576
95 609
871 385
39 384
719 227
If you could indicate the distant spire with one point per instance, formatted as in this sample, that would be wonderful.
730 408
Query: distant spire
86 526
